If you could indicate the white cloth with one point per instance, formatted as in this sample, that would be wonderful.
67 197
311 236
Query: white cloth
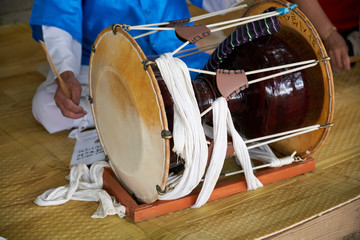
84 185
188 135
64 50
219 152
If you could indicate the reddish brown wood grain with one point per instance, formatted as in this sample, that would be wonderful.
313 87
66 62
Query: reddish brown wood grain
139 212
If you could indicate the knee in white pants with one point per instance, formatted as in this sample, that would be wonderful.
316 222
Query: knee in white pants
47 113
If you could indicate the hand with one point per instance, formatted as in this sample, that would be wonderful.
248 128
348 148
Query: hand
69 107
338 52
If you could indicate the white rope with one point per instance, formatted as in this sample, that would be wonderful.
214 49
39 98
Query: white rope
196 50
284 137
188 135
84 185
206 47
179 48
235 23
218 154
302 67
261 70
243 155
283 73
240 22
231 23
222 122
266 155
196 18
314 127
262 153
144 34
279 136
228 26
151 28
278 162
276 137
262 15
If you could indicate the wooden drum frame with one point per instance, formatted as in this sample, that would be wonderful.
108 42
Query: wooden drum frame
298 32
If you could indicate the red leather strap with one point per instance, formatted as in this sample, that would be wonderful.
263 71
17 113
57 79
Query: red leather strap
230 152
180 22
192 33
231 82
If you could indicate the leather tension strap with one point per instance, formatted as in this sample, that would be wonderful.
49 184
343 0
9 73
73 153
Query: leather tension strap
180 22
192 33
231 82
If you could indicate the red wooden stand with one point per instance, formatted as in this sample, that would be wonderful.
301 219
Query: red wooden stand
139 212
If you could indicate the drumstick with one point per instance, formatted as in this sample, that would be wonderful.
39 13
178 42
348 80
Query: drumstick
354 58
61 81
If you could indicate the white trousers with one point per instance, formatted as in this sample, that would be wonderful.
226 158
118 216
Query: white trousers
49 115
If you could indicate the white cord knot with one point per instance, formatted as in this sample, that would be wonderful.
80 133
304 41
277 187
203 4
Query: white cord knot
279 162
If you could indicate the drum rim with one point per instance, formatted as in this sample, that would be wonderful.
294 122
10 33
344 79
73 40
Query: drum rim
156 87
329 75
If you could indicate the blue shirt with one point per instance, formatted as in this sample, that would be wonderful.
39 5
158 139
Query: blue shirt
85 19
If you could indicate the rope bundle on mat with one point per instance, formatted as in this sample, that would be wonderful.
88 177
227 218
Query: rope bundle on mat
84 185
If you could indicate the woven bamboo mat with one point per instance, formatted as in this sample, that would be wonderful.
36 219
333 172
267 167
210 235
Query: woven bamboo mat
32 161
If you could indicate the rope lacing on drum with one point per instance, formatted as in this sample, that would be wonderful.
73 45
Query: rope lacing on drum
176 76
299 66
261 151
155 27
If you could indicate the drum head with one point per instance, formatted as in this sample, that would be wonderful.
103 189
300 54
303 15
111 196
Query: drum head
298 33
129 114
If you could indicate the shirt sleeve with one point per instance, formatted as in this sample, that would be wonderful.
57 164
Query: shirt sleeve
64 50
66 15
198 3
216 5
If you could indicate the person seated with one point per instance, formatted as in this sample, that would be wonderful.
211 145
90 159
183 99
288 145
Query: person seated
337 23
68 29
